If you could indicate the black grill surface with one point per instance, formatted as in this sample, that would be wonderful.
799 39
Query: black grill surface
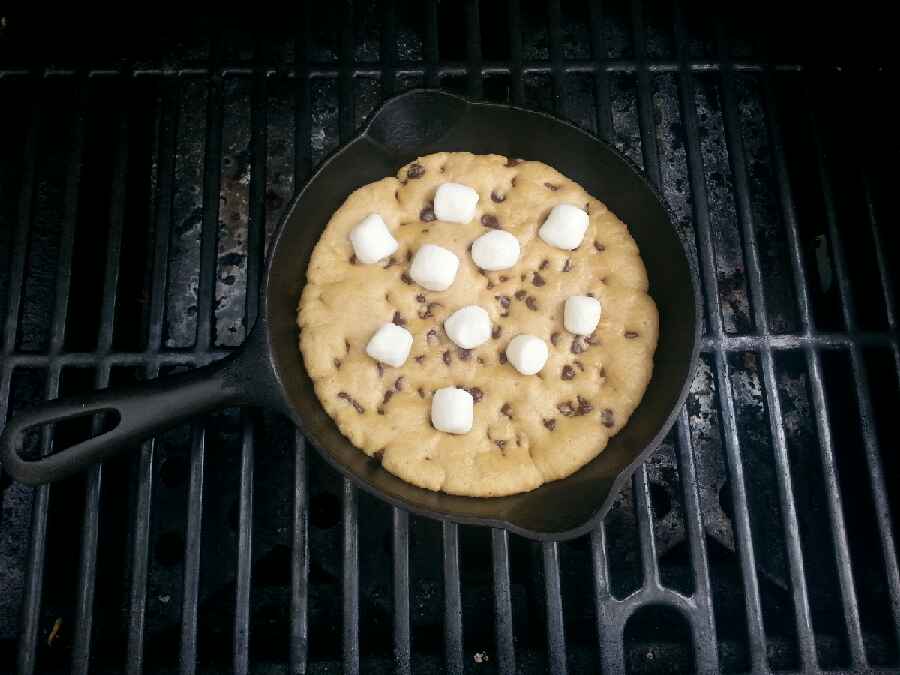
144 164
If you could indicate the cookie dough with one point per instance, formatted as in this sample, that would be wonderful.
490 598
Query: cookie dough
527 429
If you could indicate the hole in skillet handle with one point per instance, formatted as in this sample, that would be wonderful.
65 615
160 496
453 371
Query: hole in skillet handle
415 119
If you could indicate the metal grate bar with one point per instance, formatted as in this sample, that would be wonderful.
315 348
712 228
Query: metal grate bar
345 75
866 413
473 50
734 144
87 573
746 554
388 49
402 643
137 601
516 84
299 562
645 102
453 640
556 57
556 634
431 71
31 608
884 272
351 580
193 535
813 362
649 566
241 647
601 78
704 626
503 618
302 104
609 632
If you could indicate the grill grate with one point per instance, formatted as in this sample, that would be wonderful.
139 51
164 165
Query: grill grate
138 201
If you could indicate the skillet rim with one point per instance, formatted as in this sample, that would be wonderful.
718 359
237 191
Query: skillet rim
284 404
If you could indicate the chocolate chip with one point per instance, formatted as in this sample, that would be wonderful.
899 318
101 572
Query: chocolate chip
584 406
544 264
398 319
405 278
513 162
390 262
500 444
490 284
420 297
606 418
513 181
337 363
397 195
353 260
421 392
501 356
566 408
432 337
568 372
426 215
531 303
352 401
550 423
592 339
630 334
589 294
568 266
379 410
347 344
579 364
398 384
504 304
503 278
463 354
554 339
538 280
551 187
408 255
523 276
428 311
600 247
446 357
387 396
587 208
579 346
495 333
379 368
477 394
507 410
443 168
521 293
415 170
480 360
420 359
489 220
497 197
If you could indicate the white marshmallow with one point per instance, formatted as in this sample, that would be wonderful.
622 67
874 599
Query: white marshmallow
434 267
372 240
390 345
452 410
527 353
582 314
468 327
564 227
495 250
455 203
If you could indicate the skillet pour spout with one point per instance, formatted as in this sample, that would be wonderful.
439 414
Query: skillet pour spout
268 370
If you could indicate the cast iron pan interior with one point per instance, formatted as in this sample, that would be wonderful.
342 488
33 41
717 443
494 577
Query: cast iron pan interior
421 122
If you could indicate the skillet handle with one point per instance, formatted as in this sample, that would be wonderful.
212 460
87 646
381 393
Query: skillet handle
142 411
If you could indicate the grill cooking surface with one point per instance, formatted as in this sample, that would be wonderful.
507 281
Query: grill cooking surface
142 174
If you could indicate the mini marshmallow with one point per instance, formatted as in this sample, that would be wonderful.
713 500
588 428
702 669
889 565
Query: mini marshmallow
496 250
468 327
390 345
527 353
455 203
564 227
582 314
452 410
434 267
372 240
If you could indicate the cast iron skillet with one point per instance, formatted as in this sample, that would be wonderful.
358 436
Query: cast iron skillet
268 370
